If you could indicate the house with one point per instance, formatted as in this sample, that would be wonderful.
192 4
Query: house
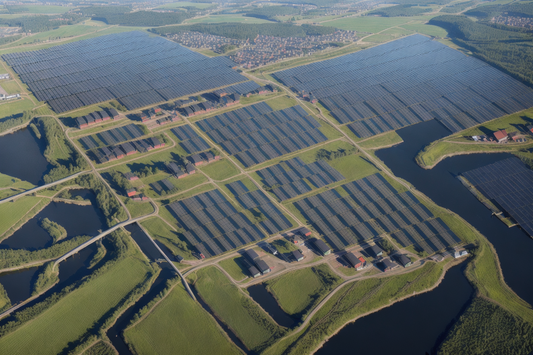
363 263
297 255
151 114
131 192
130 176
157 110
322 247
104 115
174 117
262 266
114 113
403 260
374 251
501 136
144 117
81 122
196 159
303 231
388 265
515 136
460 253
353 260
190 169
253 271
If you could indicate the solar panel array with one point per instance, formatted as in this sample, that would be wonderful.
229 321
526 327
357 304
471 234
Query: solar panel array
292 177
162 185
112 136
132 67
429 236
275 222
241 89
212 224
510 184
372 207
408 81
255 134
190 140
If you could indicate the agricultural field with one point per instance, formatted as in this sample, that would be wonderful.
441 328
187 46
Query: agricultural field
178 323
226 18
299 291
182 4
235 267
249 322
77 312
12 212
39 9
56 34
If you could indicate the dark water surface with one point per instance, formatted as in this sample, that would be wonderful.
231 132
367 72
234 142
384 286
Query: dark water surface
411 327
260 294
21 156
76 219
514 247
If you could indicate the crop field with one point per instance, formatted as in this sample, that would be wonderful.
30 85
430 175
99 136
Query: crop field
235 267
11 212
40 9
181 4
248 321
226 18
429 30
178 323
299 291
61 32
220 170
371 24
76 313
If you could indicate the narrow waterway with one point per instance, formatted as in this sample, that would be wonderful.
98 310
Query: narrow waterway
414 326
21 156
260 294
514 247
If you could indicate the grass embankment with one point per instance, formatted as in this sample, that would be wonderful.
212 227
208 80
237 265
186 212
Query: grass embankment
13 182
178 324
383 140
457 144
235 267
242 315
5 302
100 348
46 277
300 291
353 300
12 212
76 315
486 328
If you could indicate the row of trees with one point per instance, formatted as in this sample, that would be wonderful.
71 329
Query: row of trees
324 154
244 31
7 123
504 47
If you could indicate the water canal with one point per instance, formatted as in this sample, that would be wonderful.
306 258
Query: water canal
21 156
265 299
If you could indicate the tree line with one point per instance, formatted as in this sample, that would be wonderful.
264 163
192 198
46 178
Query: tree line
489 11
54 229
506 48
41 23
9 122
144 18
245 31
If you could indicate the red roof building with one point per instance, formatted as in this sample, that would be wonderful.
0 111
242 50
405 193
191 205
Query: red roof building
131 192
501 136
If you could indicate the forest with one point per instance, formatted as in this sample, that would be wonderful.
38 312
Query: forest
400 10
455 8
506 48
144 18
489 11
244 31
41 23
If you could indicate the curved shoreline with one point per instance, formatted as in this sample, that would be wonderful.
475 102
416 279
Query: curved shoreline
442 157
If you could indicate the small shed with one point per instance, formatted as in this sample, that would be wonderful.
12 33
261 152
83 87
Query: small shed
179 258
403 260
388 265
130 176
303 231
131 192
297 255
374 251
253 271
322 247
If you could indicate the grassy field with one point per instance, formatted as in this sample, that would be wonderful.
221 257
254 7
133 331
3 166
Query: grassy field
226 18
11 212
10 181
61 32
370 24
11 87
100 348
181 4
299 291
281 102
426 29
220 170
162 232
235 267
14 107
248 321
178 323
138 209
40 9
5 303
353 300
77 312
382 140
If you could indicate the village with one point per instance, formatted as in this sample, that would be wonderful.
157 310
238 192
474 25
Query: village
526 22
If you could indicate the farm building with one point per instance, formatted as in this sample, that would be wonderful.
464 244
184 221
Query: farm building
303 231
144 117
530 128
297 255
157 110
113 113
388 265
156 143
131 192
173 168
253 271
354 261
90 119
140 197
262 266
187 112
322 247
130 176
251 254
179 258
128 148
403 260
190 169
374 251
196 159
501 136
104 115
118 152
81 122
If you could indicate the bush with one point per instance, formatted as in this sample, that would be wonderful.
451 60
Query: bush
55 230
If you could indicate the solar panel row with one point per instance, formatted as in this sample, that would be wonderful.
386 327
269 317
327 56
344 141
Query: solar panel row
408 81
241 89
509 183
190 140
372 207
290 178
212 224
255 134
132 67
112 136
